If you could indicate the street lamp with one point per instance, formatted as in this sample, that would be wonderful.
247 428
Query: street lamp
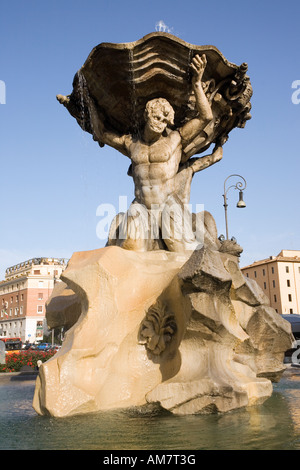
240 185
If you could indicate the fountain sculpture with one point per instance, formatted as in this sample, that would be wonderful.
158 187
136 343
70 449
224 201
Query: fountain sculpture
163 314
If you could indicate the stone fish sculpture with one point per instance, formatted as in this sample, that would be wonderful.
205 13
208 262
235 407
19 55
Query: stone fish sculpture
163 314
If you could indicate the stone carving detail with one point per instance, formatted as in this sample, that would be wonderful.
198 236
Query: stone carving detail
154 67
158 328
231 247
164 102
212 341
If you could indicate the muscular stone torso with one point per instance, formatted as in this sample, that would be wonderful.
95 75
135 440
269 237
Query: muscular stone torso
154 167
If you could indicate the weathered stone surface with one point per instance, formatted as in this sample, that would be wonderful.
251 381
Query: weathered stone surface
205 272
161 327
63 307
121 78
101 364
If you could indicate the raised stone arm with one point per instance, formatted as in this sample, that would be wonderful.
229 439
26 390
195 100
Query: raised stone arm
101 135
199 164
183 179
196 125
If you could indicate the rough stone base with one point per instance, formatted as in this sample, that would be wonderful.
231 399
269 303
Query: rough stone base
186 331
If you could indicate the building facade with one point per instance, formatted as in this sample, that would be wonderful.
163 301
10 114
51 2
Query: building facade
23 294
279 278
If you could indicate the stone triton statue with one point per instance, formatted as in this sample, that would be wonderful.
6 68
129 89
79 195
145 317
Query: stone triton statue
157 325
160 147
162 182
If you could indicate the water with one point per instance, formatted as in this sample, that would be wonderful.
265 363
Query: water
275 425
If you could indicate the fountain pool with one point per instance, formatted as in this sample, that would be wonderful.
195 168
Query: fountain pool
275 425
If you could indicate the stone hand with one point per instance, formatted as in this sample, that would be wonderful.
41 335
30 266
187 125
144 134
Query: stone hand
198 65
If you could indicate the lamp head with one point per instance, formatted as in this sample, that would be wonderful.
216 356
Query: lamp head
241 202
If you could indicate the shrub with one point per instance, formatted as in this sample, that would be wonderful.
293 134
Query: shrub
15 362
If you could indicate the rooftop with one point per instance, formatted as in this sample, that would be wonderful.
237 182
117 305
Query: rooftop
290 256
19 268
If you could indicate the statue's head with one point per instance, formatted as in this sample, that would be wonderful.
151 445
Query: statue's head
159 113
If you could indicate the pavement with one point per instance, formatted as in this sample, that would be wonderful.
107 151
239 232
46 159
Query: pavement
7 378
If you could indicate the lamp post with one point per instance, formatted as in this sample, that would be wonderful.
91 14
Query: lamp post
240 185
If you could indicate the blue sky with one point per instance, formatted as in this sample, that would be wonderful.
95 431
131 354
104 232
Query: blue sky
54 176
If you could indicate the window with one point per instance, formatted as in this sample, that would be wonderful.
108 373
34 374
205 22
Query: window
275 298
17 298
288 283
40 309
287 269
254 273
265 285
273 283
37 271
21 310
290 297
273 270
10 312
40 296
22 297
264 272
11 299
291 310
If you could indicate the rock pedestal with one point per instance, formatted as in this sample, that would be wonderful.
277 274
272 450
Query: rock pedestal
186 331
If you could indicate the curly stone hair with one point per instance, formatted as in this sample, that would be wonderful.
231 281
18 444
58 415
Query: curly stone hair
163 104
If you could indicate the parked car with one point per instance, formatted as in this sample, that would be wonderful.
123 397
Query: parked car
27 346
294 320
43 346
54 348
